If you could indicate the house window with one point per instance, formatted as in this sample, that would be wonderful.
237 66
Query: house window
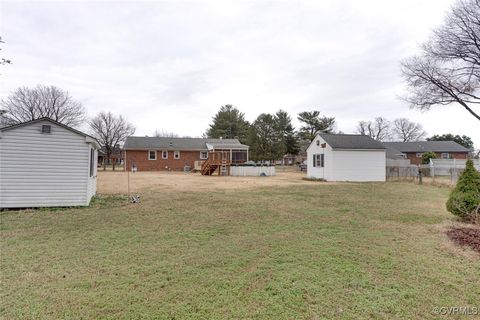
445 155
92 161
319 160
152 155
164 154
419 154
203 155
176 155
46 128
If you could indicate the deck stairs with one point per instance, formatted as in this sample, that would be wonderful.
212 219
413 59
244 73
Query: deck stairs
216 160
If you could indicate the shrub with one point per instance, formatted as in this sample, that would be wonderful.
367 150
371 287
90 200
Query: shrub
464 200
427 156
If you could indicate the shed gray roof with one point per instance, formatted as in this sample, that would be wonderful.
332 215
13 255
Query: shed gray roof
351 141
26 123
145 143
425 146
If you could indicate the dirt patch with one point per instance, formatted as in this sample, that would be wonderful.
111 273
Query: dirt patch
116 182
465 237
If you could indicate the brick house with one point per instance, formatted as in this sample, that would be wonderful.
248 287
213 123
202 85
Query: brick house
443 149
155 153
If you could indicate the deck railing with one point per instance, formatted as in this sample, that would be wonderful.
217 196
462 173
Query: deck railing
215 160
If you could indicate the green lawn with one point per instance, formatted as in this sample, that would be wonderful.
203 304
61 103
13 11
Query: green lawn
321 251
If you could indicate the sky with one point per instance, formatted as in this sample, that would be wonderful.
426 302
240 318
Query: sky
170 65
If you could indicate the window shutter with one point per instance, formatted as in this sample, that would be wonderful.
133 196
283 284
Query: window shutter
314 158
322 160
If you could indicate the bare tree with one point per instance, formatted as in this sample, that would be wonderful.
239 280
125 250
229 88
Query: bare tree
406 130
378 129
4 60
110 131
448 70
26 104
165 134
3 118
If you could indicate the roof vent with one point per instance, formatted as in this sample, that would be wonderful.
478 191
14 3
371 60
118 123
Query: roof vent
46 128
170 144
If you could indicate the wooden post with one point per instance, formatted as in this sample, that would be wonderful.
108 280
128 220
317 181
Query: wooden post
419 175
128 183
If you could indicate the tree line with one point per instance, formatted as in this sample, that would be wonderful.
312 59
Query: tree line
400 129
270 136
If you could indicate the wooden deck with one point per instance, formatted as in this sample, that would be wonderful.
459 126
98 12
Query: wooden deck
217 160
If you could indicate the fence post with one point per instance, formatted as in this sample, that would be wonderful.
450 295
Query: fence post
432 170
419 175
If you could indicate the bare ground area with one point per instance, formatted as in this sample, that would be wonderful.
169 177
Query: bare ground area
110 182
466 237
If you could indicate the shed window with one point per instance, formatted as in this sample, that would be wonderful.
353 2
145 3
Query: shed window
92 161
46 128
203 155
319 160
152 155
445 155
176 155
164 154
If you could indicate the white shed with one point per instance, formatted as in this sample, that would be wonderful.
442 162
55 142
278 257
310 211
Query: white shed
346 157
44 163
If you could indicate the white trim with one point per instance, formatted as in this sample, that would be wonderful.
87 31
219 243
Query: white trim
148 155
176 155
318 162
164 158
92 141
204 158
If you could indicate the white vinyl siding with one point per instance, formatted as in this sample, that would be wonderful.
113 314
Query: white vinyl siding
92 181
45 169
316 149
358 165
